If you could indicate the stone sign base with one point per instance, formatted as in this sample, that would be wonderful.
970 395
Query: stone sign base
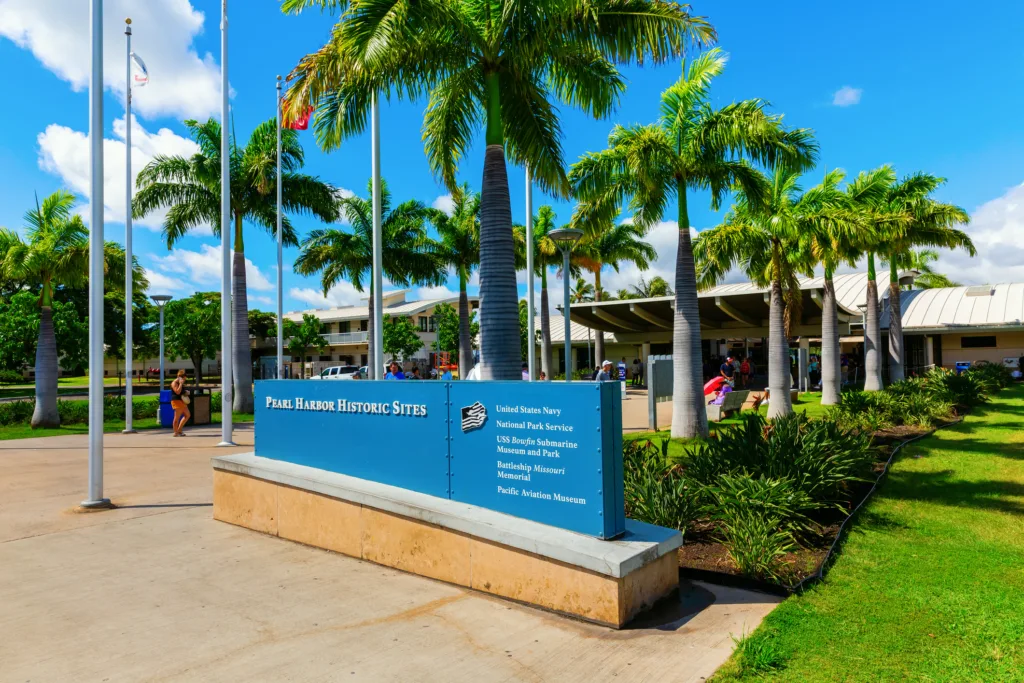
606 582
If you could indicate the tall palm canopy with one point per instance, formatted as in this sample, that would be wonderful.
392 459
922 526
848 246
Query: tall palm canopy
459 248
495 66
55 253
190 189
763 238
692 147
611 244
408 254
927 223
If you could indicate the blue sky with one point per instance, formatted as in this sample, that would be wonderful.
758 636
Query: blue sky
932 86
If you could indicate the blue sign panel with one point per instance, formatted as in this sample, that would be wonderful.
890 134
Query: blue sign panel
391 432
546 451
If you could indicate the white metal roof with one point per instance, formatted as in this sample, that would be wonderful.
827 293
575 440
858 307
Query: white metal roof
950 308
851 289
404 308
578 331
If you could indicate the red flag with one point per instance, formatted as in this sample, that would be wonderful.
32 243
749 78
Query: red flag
302 122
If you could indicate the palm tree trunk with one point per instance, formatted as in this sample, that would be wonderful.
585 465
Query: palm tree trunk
598 334
780 381
895 325
499 294
830 371
465 339
241 349
545 326
689 414
46 413
873 333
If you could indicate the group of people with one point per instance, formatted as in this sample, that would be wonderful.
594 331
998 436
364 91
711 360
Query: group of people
736 369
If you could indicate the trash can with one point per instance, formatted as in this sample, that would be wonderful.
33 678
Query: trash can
166 411
962 366
200 407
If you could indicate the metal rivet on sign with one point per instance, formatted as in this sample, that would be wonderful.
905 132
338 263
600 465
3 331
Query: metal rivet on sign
599 492
600 514
599 471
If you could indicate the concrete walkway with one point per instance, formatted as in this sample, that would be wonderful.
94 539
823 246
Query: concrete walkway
157 590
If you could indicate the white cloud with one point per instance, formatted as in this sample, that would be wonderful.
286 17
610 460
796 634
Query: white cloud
439 292
265 300
182 83
342 295
847 96
65 153
996 228
664 237
202 269
166 284
445 203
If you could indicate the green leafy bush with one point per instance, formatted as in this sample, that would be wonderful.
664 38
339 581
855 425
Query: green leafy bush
991 376
756 541
656 493
11 377
965 390
778 499
16 412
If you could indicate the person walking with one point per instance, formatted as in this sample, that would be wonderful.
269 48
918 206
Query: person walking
606 372
745 372
179 402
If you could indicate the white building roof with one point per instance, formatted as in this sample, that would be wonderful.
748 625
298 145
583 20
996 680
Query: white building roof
974 308
393 305
851 289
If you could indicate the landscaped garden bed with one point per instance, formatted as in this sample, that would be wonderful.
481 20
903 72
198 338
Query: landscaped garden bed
763 503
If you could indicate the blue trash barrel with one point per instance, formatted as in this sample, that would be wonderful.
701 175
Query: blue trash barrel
166 411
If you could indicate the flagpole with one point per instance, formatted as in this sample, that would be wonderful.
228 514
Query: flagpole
531 322
280 262
96 269
378 279
225 238
128 361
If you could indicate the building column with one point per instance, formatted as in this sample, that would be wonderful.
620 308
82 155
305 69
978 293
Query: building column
929 350
803 380
645 354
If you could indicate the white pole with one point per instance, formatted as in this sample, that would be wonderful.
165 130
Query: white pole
565 304
129 365
280 261
225 237
96 498
531 318
378 278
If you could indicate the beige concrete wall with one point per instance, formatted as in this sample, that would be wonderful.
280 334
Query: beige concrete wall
1008 345
438 553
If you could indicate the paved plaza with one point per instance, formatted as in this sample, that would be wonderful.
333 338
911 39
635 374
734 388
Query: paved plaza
157 590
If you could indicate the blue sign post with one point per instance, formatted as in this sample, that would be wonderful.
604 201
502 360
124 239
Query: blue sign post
548 452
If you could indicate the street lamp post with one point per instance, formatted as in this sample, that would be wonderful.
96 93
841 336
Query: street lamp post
161 301
129 362
566 238
226 389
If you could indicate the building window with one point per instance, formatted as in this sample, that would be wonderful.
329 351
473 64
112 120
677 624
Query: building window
362 359
978 342
423 323
363 325
343 326
325 357
433 324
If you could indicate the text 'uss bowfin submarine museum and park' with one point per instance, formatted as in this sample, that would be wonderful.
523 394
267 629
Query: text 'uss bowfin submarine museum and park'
510 488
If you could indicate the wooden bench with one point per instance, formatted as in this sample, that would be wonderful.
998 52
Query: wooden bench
733 403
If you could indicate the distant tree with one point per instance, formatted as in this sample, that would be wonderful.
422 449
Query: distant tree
192 329
447 319
303 337
262 324
401 338
921 261
19 332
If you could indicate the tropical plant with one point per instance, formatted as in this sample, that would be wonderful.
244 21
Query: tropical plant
459 248
762 234
928 223
693 146
189 188
401 339
55 254
262 325
921 260
301 337
608 244
20 317
545 255
193 328
495 66
581 292
647 289
655 493
407 255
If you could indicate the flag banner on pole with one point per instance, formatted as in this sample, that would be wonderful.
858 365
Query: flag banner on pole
140 74
301 122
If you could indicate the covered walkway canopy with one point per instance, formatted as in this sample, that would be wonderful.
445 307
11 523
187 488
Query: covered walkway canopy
731 310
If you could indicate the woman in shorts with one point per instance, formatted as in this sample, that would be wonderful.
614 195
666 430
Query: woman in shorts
181 411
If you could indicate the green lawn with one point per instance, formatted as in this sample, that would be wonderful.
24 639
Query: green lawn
809 403
23 431
930 583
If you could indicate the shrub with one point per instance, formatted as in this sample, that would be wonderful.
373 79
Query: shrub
778 499
991 376
16 412
216 402
655 493
964 390
11 377
757 542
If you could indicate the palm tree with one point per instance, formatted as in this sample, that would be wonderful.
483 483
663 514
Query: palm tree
693 146
609 244
838 238
649 289
763 238
581 293
459 248
921 260
190 189
55 253
545 255
408 255
929 223
496 66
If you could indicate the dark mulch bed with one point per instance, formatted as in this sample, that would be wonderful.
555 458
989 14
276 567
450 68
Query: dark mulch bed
703 557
